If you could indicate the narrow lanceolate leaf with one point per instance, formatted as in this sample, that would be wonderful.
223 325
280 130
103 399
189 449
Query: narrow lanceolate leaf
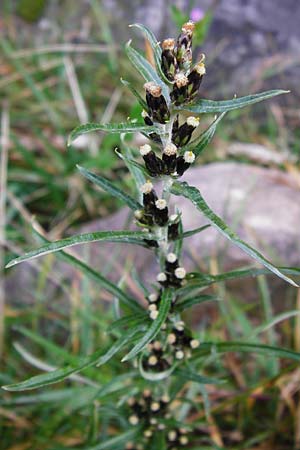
155 47
188 375
135 93
109 187
145 69
155 327
189 233
110 287
96 358
55 376
110 128
194 195
128 237
199 144
207 348
211 106
195 300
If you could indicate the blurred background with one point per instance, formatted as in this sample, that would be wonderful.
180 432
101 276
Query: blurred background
60 65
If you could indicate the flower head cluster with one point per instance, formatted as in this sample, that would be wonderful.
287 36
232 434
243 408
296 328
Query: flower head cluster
153 414
185 80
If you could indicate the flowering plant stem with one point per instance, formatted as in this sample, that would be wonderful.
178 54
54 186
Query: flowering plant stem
166 358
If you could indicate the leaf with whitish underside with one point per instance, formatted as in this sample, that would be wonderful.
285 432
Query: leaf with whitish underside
135 93
145 69
155 47
189 233
109 187
128 237
207 348
155 327
201 142
192 301
110 128
110 287
212 106
188 375
131 162
97 358
194 195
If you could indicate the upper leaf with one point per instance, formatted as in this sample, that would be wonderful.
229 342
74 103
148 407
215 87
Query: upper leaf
155 47
194 195
109 187
145 69
212 106
129 127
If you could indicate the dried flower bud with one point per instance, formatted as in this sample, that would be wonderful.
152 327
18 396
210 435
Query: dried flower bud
171 257
161 213
154 314
183 51
171 339
184 162
133 420
148 433
156 102
168 60
153 164
161 277
152 360
195 78
194 343
179 354
183 440
182 135
180 273
147 118
172 435
155 406
169 157
179 92
179 326
153 298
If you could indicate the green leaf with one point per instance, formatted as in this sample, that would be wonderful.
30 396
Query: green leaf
115 442
96 358
191 301
145 69
207 348
110 128
188 375
211 106
189 233
110 287
135 93
136 172
194 195
133 163
128 237
129 320
204 139
109 187
155 327
155 47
